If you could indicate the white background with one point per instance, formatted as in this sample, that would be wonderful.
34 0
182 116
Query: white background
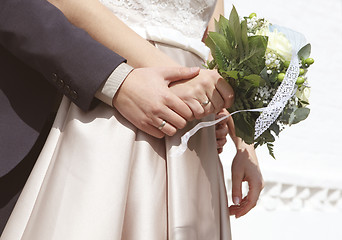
308 154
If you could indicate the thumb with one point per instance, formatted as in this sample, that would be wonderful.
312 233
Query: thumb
237 188
180 73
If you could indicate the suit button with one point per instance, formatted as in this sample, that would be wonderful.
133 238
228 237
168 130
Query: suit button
54 77
60 83
73 95
67 90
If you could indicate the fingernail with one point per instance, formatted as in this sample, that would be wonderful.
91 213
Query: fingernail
236 200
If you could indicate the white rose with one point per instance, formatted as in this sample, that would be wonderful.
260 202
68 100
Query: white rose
277 42
304 94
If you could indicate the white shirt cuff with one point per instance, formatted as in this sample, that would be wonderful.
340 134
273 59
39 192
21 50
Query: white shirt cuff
109 88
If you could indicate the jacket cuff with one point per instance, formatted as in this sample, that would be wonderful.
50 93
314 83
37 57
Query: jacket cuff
109 88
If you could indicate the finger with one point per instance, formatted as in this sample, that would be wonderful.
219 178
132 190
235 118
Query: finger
216 101
221 130
237 178
180 107
173 119
251 201
221 114
153 131
234 209
221 142
206 105
180 73
208 109
196 108
226 91
165 127
219 150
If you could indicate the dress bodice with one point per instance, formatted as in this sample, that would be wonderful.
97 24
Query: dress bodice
181 23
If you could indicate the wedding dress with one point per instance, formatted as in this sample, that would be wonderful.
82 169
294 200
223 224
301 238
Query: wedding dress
99 177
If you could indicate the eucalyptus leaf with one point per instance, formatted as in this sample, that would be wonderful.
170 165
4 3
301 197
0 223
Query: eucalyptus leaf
305 51
299 115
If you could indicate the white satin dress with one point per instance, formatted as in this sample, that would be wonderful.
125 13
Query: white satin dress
99 177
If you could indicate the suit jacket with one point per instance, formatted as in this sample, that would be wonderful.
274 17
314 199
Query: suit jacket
41 56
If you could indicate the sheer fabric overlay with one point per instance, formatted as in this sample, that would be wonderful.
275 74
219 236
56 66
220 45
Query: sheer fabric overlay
179 23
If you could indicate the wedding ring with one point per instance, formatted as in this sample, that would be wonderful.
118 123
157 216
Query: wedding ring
162 125
206 102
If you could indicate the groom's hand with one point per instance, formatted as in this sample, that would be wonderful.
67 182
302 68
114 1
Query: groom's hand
145 100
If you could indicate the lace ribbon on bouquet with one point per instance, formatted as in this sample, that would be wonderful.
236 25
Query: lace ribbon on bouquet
286 88
270 113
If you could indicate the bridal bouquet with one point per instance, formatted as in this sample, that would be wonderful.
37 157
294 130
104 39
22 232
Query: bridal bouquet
266 65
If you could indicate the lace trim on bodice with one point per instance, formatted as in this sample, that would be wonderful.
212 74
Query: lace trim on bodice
178 22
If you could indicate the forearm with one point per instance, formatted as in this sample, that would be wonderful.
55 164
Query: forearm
106 28
219 10
238 142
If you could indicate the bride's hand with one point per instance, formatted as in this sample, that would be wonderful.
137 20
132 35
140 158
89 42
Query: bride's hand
221 130
205 94
245 167
145 100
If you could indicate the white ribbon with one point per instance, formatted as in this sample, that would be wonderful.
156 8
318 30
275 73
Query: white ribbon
179 150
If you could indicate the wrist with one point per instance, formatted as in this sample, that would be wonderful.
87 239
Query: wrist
241 145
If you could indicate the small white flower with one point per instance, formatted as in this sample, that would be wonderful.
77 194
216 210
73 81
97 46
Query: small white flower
269 71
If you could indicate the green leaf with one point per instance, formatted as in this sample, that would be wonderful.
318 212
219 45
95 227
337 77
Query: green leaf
217 40
223 25
305 51
217 26
268 137
234 25
243 128
254 79
244 37
211 64
275 128
304 102
270 149
298 115
232 74
252 63
220 59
